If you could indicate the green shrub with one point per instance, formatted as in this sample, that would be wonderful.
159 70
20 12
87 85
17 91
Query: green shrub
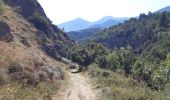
2 7
39 21
114 86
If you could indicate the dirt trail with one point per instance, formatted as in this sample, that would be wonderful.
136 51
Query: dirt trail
77 88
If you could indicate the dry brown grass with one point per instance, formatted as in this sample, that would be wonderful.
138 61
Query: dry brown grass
30 58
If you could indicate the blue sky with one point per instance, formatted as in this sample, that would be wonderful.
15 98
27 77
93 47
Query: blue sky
60 11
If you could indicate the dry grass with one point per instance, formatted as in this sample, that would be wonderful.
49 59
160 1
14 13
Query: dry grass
29 57
117 87
13 91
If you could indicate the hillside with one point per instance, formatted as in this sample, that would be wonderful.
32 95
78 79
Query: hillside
94 28
25 36
130 60
137 49
147 39
138 33
82 35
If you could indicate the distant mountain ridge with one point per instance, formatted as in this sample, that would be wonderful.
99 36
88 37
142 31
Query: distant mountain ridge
167 8
76 24
80 24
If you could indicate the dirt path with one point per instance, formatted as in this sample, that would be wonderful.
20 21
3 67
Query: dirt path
77 88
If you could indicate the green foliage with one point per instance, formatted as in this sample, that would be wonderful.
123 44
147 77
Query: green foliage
119 59
116 86
150 66
86 54
39 21
161 76
2 6
147 61
138 33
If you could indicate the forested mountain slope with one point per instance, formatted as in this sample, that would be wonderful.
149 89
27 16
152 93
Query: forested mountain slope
138 33
138 48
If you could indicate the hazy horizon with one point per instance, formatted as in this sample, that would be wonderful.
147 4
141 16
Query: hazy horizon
60 11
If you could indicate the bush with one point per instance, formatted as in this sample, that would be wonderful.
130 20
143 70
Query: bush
15 71
114 86
1 6
39 21
2 79
26 78
30 79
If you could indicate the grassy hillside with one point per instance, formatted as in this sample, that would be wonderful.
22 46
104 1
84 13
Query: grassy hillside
24 30
112 85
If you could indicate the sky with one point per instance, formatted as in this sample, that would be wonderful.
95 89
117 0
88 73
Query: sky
60 11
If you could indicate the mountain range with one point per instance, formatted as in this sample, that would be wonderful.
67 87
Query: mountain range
167 8
94 27
79 23
38 61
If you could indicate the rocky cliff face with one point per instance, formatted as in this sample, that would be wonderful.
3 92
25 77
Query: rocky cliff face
48 36
5 32
34 13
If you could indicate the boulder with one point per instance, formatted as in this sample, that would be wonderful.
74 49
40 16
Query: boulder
74 68
5 32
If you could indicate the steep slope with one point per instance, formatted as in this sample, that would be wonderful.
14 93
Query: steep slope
137 33
24 31
50 38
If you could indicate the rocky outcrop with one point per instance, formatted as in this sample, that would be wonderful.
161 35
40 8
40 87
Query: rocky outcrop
53 72
34 13
50 38
26 7
74 67
5 32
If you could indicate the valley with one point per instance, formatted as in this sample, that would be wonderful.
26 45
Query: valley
113 58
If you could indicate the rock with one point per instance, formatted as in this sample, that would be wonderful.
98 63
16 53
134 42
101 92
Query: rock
5 32
66 61
53 72
74 68
74 71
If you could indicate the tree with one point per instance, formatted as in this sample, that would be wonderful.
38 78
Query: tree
163 20
150 13
161 76
1 6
